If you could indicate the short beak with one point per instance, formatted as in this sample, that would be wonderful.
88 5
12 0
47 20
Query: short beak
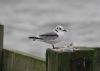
65 30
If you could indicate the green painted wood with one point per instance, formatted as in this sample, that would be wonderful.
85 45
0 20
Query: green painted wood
17 62
57 60
97 59
82 59
1 45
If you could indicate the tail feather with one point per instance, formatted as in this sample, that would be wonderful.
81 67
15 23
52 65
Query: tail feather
34 38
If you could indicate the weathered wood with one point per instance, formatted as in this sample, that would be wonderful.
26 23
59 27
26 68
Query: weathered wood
82 59
58 60
1 45
97 65
17 62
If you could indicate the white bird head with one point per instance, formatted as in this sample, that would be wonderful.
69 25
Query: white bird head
60 28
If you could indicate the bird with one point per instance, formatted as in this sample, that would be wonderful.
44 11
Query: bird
52 37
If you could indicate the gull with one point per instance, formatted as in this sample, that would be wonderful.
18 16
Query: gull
51 37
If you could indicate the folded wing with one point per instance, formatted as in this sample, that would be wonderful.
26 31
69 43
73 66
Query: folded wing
49 36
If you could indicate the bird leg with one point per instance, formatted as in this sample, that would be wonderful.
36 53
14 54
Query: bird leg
53 46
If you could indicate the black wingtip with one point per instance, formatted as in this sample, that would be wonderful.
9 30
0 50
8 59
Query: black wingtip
30 37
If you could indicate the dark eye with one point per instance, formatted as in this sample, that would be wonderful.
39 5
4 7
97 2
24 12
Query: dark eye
60 28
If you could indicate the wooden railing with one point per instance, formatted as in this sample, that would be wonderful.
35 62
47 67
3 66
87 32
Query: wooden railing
1 46
17 62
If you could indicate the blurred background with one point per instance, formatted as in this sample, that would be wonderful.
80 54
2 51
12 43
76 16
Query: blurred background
24 18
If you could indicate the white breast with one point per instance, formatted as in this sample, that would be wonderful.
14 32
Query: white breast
60 37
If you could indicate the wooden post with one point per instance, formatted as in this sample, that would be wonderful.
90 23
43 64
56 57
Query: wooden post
58 60
97 65
1 46
81 59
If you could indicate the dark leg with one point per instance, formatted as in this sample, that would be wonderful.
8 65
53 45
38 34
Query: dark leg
53 46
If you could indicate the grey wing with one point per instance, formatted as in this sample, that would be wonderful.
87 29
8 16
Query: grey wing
49 36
